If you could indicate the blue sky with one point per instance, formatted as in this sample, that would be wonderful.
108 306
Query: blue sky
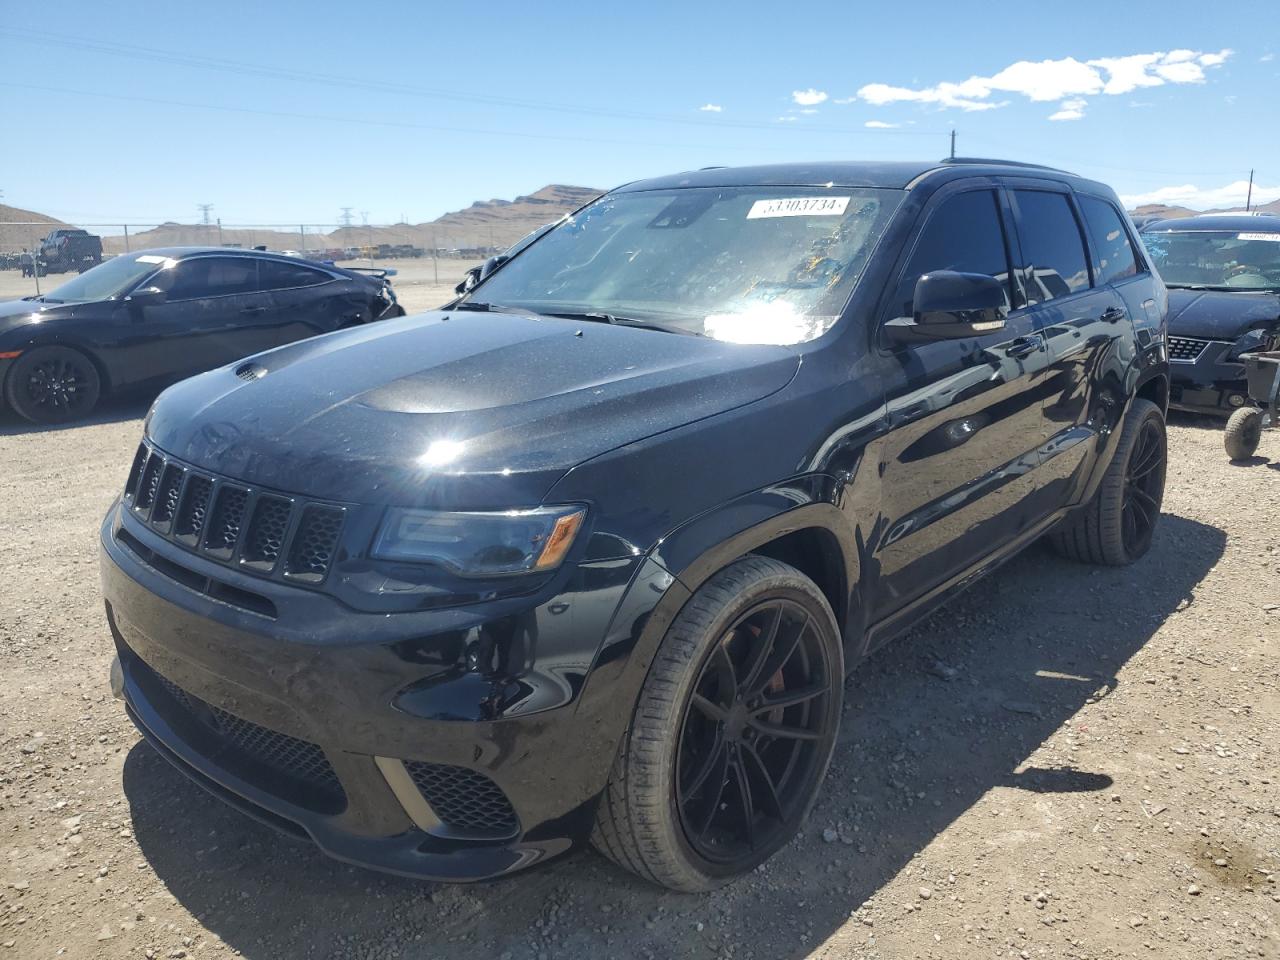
285 112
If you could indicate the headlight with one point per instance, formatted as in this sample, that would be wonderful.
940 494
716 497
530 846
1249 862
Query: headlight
1252 340
481 544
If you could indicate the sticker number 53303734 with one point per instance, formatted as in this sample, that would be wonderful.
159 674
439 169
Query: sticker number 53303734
798 207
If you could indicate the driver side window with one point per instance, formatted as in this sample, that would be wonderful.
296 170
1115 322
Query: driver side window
964 234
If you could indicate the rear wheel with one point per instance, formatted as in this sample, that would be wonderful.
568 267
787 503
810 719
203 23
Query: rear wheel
53 385
732 733
1244 432
1117 525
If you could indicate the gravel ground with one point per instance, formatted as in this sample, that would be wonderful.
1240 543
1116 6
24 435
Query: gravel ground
1067 762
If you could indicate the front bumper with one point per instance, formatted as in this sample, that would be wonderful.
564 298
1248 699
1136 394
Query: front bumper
1207 382
346 728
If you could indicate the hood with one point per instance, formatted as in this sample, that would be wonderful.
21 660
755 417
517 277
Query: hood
1218 314
457 410
18 313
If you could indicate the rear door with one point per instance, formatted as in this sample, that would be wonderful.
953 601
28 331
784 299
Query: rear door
1087 329
964 415
305 300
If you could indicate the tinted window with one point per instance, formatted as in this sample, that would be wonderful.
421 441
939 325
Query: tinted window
277 275
1053 253
209 277
965 235
1112 251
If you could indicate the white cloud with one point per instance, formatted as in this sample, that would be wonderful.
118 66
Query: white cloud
880 125
1203 198
1070 110
1266 58
808 110
711 108
790 119
1064 80
808 98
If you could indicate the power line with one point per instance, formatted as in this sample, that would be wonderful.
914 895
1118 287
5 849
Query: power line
346 217
135 52
204 209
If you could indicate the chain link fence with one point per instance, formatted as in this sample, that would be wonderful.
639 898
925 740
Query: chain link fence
36 256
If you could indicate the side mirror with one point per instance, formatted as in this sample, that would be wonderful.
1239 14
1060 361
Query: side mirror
148 297
492 264
951 306
469 280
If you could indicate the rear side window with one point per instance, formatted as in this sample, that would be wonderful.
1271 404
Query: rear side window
280 276
1112 250
963 234
1052 252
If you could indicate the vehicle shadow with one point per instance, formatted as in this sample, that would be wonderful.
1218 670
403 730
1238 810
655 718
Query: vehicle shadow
131 406
933 722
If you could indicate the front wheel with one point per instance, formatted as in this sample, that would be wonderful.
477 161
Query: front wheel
732 732
54 384
1244 432
1116 526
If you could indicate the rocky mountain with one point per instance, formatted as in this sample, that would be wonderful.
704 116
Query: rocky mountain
15 235
486 223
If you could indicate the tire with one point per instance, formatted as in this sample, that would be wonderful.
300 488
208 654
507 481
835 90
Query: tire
658 816
49 385
1116 527
1244 431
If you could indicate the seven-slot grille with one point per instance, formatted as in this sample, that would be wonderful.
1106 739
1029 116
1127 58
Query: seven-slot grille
1187 348
261 532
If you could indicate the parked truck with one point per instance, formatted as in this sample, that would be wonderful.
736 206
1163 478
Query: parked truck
69 248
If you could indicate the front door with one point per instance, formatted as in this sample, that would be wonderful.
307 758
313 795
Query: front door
214 314
964 415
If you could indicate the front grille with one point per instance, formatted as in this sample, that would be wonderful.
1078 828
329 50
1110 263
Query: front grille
464 799
300 761
1187 349
226 520
261 532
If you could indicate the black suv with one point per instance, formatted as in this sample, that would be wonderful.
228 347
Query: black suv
588 553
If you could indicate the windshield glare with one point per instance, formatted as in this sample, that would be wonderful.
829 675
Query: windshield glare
1235 260
110 279
743 264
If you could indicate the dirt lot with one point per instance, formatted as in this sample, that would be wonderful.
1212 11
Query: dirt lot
1068 762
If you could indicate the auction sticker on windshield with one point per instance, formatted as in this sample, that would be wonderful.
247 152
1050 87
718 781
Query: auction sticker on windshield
1271 237
798 207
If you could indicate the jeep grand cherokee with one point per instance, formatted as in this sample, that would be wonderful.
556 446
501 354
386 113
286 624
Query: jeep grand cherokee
587 554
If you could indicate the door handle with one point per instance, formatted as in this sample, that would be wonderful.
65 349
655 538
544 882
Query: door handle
1112 315
254 310
1022 346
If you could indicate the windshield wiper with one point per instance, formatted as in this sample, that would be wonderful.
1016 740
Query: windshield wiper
615 320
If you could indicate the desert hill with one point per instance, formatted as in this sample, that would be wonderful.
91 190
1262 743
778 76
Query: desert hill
19 237
486 223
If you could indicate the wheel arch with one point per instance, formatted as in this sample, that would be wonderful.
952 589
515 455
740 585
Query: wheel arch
71 343
1155 387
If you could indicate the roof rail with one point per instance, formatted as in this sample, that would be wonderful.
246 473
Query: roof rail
1005 163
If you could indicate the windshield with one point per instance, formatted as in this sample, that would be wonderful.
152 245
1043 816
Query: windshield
743 264
1227 259
110 279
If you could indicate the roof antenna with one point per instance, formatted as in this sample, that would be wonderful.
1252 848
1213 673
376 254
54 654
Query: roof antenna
1248 200
953 143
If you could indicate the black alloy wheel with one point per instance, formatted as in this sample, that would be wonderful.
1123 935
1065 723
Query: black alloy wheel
731 733
1143 488
53 385
752 732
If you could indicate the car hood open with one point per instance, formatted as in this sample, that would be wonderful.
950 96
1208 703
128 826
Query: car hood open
1219 314
453 409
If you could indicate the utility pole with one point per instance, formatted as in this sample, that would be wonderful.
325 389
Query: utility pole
953 143
368 234
220 232
1248 202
